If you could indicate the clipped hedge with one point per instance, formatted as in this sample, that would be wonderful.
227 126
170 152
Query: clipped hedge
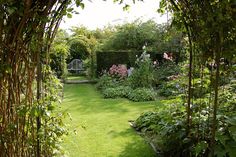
106 59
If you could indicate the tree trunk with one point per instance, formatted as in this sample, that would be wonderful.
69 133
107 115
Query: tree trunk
39 89
188 107
215 105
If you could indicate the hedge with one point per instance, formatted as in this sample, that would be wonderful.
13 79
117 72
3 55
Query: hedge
106 59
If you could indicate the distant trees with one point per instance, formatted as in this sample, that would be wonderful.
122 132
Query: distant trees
132 36
83 43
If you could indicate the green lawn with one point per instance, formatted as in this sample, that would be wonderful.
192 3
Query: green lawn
99 127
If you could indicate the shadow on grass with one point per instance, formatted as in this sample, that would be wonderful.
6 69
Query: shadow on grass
136 148
128 132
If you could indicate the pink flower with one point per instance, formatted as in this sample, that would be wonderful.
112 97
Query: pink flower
119 71
168 56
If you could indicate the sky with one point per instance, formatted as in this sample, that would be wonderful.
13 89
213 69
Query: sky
100 13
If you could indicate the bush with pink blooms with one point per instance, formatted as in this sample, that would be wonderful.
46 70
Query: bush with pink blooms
115 83
118 71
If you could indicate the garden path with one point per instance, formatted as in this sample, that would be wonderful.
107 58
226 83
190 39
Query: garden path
99 127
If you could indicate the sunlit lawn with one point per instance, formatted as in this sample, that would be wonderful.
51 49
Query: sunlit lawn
99 127
77 78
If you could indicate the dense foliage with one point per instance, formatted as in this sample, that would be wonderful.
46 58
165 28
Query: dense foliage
132 36
197 121
117 92
59 53
166 127
142 94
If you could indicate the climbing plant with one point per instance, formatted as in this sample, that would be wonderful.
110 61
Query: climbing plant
28 127
59 53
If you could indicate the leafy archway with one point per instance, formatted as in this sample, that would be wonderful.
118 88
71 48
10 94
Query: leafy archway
28 127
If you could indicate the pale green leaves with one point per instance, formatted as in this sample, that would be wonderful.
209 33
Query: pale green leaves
69 15
126 7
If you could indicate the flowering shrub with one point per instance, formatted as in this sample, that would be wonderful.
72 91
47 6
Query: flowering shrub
142 75
118 71
137 87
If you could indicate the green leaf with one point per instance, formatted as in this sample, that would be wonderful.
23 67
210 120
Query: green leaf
200 147
232 131
69 16
82 5
126 7
219 152
51 107
79 3
231 120
11 10
232 151
70 9
222 138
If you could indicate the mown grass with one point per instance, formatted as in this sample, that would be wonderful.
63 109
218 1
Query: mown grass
77 78
99 127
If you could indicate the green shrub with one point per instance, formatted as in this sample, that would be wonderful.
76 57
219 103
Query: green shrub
111 93
142 94
163 72
168 89
146 120
167 128
117 92
105 81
